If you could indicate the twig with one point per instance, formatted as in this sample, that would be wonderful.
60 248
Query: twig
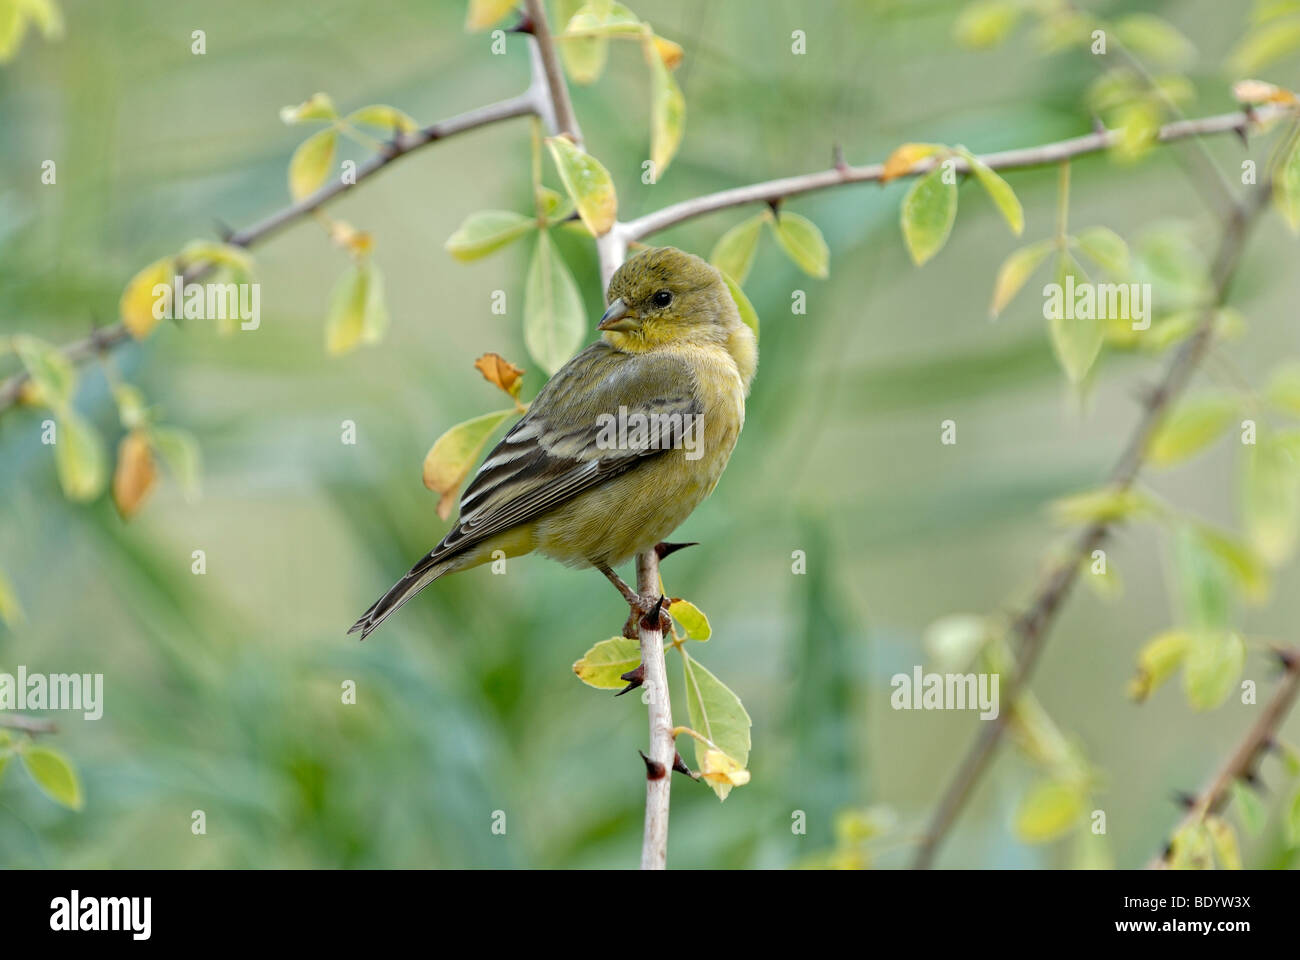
531 101
659 766
18 721
1047 153
1240 763
565 121
1030 628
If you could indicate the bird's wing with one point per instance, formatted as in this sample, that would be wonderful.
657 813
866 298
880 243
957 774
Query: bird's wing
560 448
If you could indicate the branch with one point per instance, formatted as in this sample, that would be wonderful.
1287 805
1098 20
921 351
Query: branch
18 721
1032 625
531 101
1241 762
659 765
557 89
770 191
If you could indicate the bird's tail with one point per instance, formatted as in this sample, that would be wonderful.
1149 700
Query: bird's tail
419 577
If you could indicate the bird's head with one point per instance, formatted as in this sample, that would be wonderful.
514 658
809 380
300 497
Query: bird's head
664 296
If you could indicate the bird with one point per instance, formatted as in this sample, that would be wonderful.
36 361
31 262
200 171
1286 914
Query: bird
620 445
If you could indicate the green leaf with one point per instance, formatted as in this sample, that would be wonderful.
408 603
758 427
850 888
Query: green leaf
357 310
1157 661
54 774
603 665
1246 567
1271 497
554 320
803 243
318 107
482 14
986 23
718 714
448 461
1170 261
1107 505
1287 192
1138 123
1292 822
486 232
1076 342
1204 581
1049 810
1193 425
79 457
734 252
11 612
667 113
1264 45
554 207
1155 38
953 642
691 619
929 210
1212 668
588 183
1283 390
311 163
1224 840
50 369
179 449
383 117
1015 271
1106 248
999 191
585 56
1250 809
218 254
748 316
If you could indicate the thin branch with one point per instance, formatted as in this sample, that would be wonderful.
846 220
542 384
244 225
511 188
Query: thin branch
769 191
1031 626
659 767
531 101
565 121
1240 764
18 721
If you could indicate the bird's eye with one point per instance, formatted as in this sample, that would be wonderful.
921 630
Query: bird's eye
662 298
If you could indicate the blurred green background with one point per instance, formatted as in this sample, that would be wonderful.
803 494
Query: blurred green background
222 691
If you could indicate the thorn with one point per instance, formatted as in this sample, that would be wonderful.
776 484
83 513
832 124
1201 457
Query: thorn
652 621
525 24
775 206
1250 779
1184 799
679 766
224 230
837 158
1286 658
1270 745
1098 127
634 679
654 770
665 549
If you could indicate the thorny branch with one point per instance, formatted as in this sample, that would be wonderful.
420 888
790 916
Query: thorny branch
1240 764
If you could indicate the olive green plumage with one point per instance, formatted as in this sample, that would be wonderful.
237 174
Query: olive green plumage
673 344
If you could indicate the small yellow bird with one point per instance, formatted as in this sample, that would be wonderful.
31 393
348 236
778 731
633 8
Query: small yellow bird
621 444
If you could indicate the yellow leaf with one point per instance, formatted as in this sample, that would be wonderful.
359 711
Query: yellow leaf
310 165
721 770
384 117
318 107
141 306
1015 271
11 612
79 458
904 158
667 116
1193 425
136 473
449 460
486 13
1157 661
1211 667
803 243
357 310
54 774
748 315
1050 809
999 191
690 618
604 664
1224 839
588 183
670 53
1257 91
500 372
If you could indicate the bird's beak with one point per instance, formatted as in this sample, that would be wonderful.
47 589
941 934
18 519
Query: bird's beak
617 318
